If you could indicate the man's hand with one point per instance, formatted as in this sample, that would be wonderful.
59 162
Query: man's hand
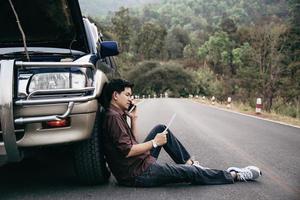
161 138
138 149
133 114
133 118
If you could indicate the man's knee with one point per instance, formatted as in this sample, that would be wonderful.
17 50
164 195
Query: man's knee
160 127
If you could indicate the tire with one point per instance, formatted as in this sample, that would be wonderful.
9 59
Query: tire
89 162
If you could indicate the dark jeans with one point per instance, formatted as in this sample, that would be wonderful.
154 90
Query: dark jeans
160 174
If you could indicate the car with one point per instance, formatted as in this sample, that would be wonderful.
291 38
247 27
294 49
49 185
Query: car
53 68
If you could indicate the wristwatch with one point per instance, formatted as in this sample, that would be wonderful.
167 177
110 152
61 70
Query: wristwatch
154 144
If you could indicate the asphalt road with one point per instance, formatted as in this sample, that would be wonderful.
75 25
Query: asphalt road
218 139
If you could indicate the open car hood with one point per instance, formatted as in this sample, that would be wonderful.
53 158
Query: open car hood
46 23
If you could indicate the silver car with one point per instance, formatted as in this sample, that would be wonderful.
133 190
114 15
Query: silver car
53 67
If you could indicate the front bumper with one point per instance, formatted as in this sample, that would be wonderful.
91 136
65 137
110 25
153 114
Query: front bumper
30 113
82 120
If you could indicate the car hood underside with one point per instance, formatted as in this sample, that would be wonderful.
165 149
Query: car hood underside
46 23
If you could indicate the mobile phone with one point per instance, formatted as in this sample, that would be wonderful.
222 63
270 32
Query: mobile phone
131 108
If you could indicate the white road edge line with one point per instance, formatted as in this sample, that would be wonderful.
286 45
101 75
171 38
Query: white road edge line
278 122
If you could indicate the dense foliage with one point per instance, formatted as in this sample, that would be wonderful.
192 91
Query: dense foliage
238 48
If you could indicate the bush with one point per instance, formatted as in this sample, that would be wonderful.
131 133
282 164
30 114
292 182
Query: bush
207 83
155 78
283 108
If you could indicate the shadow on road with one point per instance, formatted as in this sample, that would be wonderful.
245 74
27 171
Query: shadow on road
53 178
46 175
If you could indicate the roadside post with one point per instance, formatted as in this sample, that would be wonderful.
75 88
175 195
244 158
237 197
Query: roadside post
229 102
258 106
213 99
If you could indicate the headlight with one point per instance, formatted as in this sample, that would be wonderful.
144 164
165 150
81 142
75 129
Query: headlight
55 80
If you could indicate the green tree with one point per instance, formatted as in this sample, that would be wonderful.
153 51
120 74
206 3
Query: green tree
243 56
247 79
121 25
215 50
292 78
190 52
229 26
207 83
268 41
150 41
176 40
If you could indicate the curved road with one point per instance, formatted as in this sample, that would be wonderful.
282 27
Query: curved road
217 138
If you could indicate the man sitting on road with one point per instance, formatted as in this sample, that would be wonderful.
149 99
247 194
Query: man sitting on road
134 164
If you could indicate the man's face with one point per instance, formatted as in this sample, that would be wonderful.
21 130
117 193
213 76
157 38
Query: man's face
123 99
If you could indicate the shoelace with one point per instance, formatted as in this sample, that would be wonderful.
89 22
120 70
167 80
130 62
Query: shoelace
244 175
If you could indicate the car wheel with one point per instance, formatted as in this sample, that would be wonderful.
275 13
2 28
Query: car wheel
90 165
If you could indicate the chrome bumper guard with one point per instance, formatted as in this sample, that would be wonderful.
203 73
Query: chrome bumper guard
70 100
9 152
6 101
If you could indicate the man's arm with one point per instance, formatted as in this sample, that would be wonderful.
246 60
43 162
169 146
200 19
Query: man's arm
137 149
133 125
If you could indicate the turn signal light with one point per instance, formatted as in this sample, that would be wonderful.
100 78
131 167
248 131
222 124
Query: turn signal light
57 123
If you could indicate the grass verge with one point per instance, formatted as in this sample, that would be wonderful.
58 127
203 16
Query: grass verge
246 109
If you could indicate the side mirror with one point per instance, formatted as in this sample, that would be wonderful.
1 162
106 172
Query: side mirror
108 48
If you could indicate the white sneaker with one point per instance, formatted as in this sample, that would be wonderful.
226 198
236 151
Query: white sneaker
249 173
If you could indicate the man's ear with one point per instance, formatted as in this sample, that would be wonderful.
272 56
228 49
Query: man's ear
115 95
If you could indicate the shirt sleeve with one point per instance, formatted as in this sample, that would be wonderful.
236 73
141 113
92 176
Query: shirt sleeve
119 135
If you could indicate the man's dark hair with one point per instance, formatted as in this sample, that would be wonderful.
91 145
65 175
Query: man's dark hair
115 85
